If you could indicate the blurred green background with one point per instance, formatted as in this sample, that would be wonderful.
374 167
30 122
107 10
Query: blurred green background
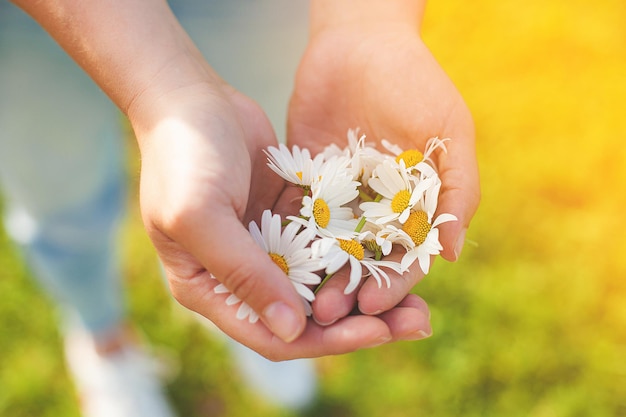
530 322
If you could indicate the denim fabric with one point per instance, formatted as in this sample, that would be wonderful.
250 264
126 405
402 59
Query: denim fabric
61 147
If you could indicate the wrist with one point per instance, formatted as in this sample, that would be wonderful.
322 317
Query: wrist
332 14
171 92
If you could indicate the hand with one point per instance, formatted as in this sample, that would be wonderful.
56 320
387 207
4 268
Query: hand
197 187
383 80
203 175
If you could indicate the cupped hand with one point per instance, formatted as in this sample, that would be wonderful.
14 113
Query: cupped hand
383 80
203 178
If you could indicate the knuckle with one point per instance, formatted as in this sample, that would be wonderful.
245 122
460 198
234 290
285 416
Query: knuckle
240 280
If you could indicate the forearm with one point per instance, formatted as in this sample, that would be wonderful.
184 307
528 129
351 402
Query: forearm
327 14
131 48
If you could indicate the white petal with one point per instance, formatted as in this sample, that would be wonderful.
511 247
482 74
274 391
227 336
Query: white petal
232 299
355 275
255 232
338 260
408 259
444 217
375 273
391 147
304 291
221 289
273 233
424 261
404 216
305 277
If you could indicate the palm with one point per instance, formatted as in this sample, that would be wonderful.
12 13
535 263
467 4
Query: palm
390 87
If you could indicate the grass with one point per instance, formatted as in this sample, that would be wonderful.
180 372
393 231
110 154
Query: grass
530 322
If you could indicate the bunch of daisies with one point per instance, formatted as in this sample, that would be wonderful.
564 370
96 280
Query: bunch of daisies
358 205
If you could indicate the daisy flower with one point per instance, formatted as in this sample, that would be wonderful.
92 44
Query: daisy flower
296 166
399 195
323 212
419 234
335 253
290 252
365 158
413 158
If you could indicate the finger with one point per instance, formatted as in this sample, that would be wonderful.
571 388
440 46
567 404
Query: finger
331 303
460 193
228 251
374 299
346 335
410 320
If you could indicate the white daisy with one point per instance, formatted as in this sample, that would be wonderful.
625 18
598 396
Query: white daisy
289 250
413 158
323 212
295 166
335 253
365 158
419 234
398 190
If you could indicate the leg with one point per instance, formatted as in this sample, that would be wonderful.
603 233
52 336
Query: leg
61 166
61 169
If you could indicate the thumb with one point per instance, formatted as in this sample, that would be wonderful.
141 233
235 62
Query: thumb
460 193
226 249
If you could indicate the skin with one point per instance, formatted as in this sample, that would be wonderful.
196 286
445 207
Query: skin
374 72
204 177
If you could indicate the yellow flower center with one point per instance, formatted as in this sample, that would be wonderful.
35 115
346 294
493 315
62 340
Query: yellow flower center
353 247
299 175
321 212
400 201
417 227
410 157
280 261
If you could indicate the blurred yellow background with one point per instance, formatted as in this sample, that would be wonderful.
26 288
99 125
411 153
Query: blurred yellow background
530 322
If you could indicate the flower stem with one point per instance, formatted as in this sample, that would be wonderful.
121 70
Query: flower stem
365 196
359 226
326 278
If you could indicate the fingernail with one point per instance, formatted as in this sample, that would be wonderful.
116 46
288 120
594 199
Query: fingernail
283 321
460 241
380 341
324 323
419 335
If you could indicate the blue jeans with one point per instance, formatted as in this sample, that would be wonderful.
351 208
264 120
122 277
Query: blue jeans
61 152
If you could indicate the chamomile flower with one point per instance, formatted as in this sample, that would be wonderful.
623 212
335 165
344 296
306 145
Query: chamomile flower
289 250
419 234
365 158
335 253
323 212
296 166
413 158
399 194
